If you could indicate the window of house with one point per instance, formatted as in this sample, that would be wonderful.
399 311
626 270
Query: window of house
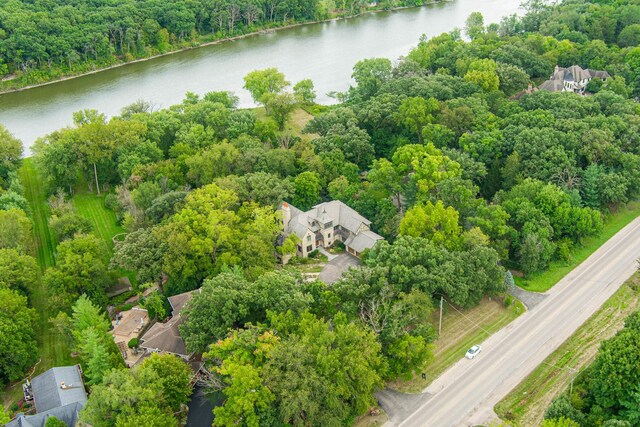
329 236
309 248
308 238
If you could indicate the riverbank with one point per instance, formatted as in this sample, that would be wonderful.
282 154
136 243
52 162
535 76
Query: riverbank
205 44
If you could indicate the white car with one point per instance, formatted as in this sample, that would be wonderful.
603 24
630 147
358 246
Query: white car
473 352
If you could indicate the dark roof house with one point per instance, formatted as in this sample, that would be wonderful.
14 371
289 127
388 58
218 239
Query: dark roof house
57 392
165 337
572 79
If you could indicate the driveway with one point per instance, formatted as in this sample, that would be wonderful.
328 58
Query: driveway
333 270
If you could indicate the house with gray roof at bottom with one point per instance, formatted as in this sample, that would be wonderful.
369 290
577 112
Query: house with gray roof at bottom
58 392
572 79
326 223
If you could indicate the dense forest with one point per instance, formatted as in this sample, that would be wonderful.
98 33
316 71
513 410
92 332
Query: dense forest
44 40
464 174
606 392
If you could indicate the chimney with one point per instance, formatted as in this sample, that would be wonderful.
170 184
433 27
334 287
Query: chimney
286 214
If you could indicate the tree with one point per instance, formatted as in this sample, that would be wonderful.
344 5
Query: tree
512 78
174 377
18 346
306 190
561 409
10 155
484 73
229 301
156 304
81 268
238 362
148 394
66 226
18 272
141 251
95 356
369 75
434 222
212 231
333 369
416 113
304 92
4 417
260 83
15 231
474 25
266 189
89 329
54 422
614 370
560 422
280 107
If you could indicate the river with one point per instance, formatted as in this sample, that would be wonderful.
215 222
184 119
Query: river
324 52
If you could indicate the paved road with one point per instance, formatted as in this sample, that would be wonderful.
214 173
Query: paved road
466 393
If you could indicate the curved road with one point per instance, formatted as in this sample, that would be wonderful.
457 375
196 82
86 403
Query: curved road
466 393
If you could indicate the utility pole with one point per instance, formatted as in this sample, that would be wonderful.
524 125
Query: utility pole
440 325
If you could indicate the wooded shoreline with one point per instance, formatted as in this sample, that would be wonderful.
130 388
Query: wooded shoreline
205 44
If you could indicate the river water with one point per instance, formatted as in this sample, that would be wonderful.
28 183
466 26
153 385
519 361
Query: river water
324 52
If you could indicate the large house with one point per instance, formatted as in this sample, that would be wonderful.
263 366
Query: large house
58 392
326 223
572 79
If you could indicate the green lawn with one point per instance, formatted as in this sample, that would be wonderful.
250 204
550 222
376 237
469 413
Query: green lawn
103 220
459 332
37 197
53 351
297 121
525 405
557 270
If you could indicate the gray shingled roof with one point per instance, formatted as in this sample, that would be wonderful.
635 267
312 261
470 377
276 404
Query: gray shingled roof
599 73
364 240
165 337
552 85
68 414
47 390
178 301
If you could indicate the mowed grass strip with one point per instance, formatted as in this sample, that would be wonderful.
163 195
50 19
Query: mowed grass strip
557 270
36 195
53 350
103 220
527 403
460 331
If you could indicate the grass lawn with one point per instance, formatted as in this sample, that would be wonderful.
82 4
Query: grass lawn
459 332
37 197
53 351
298 120
526 404
557 270
103 220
